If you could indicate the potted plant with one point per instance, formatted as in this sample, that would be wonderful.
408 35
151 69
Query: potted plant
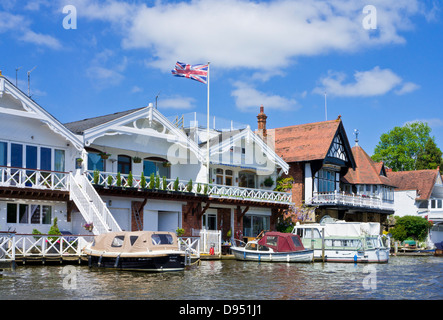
137 159
164 183
157 182
88 226
78 163
119 180
176 184
96 177
199 188
142 181
104 155
268 182
166 164
152 181
180 232
109 181
130 180
189 186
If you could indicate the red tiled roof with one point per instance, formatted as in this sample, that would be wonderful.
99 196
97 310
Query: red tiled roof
366 170
305 142
421 180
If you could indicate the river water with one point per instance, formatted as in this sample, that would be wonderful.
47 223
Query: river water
417 278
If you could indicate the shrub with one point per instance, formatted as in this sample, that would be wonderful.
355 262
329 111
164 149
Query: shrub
142 181
189 186
410 227
130 179
164 183
119 180
176 183
152 181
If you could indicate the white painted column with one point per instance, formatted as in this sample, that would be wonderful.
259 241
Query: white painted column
308 183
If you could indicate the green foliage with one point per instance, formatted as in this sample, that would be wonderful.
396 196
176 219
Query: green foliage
164 183
130 180
199 188
142 181
284 225
206 189
410 227
176 183
430 157
157 182
284 184
96 176
180 232
109 180
54 230
400 147
189 186
119 180
152 181
268 182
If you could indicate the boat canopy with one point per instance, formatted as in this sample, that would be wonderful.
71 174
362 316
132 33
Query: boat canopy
137 241
352 229
281 242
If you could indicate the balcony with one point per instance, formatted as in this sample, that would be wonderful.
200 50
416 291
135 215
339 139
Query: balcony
34 179
351 200
109 179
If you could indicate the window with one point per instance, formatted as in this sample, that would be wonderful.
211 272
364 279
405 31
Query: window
45 159
158 239
337 149
59 160
253 225
132 239
157 168
326 180
296 241
16 155
117 242
25 213
272 241
124 164
3 154
228 177
246 179
95 162
31 157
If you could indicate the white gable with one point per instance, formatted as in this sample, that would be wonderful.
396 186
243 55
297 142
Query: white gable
14 102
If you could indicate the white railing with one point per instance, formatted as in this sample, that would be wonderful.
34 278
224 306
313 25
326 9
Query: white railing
208 239
342 198
91 206
14 246
109 179
191 245
32 178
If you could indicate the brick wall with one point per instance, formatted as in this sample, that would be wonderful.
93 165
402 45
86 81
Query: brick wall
296 170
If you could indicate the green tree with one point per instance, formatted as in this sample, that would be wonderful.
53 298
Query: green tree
400 147
410 227
430 157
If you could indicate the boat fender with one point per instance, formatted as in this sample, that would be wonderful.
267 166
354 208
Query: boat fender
211 251
117 260
355 258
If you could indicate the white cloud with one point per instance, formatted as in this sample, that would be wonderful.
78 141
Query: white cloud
246 33
182 103
41 39
407 87
374 82
432 122
248 98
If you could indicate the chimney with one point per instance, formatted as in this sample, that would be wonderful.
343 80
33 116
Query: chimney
261 119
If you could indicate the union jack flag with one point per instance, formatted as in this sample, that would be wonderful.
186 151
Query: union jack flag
198 72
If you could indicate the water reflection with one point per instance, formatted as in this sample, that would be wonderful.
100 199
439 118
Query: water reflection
401 278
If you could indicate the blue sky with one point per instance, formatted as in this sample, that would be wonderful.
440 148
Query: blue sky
380 67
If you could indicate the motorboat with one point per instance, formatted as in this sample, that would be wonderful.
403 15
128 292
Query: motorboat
152 251
339 241
274 247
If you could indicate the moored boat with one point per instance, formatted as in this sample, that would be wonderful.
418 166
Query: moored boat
340 241
137 251
274 247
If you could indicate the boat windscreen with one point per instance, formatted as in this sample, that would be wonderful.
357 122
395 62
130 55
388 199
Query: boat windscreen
158 239
296 242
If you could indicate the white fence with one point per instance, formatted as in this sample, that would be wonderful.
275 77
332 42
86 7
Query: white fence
32 178
208 239
14 246
351 200
109 179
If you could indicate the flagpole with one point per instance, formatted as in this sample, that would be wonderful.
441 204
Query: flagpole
207 132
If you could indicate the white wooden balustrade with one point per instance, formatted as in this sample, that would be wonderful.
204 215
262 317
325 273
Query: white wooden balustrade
109 179
342 198
32 178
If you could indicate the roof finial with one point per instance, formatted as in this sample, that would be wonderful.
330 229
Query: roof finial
356 132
